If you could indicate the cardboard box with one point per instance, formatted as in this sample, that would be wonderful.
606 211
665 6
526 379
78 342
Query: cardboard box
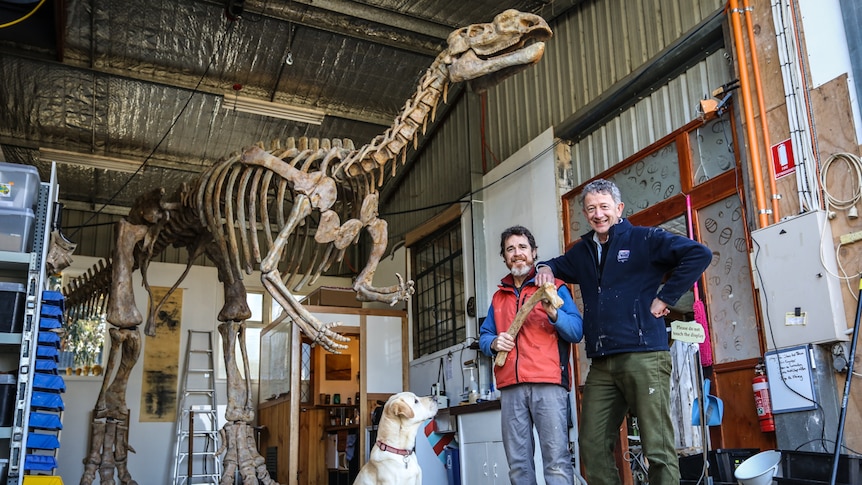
333 296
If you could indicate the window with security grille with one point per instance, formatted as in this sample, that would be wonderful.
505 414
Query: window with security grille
438 305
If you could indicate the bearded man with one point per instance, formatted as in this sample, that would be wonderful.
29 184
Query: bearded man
534 381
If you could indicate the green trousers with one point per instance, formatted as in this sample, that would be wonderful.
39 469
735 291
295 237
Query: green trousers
638 383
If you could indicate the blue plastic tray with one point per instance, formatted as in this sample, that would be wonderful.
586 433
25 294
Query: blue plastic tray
42 441
47 400
52 296
45 421
49 323
46 366
47 352
39 462
50 310
48 382
49 338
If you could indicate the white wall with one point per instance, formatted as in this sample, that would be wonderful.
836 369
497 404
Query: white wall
154 443
521 190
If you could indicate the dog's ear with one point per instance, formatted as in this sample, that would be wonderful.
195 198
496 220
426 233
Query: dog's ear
401 408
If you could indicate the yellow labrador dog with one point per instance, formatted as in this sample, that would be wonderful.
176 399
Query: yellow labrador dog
393 458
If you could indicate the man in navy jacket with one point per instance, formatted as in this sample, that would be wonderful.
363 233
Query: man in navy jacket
620 269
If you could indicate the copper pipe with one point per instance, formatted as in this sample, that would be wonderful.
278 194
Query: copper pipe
751 134
764 128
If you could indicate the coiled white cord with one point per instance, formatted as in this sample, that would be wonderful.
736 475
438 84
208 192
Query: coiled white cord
855 167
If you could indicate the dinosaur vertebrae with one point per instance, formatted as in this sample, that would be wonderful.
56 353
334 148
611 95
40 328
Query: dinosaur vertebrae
395 140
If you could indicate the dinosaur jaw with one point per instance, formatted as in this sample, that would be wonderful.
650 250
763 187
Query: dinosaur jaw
486 72
485 54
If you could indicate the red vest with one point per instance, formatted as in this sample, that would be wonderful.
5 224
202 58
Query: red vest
539 356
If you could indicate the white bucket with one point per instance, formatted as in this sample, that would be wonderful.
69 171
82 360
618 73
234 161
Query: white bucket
759 469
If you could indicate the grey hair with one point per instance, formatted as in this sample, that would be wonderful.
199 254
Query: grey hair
601 186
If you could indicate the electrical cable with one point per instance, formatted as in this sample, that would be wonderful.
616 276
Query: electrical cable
25 17
855 178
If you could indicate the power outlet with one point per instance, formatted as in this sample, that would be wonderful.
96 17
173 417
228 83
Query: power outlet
851 237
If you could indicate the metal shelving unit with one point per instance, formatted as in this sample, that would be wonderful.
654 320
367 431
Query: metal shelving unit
33 265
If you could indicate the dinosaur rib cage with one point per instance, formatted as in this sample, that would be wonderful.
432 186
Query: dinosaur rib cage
86 296
244 207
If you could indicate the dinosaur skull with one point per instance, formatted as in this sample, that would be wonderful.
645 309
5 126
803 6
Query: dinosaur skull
487 53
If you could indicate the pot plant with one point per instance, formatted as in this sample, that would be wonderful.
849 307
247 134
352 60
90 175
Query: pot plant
84 339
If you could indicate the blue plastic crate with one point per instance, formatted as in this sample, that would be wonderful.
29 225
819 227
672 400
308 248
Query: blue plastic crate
49 338
39 463
45 421
46 400
54 297
47 352
48 382
49 323
51 310
42 441
46 366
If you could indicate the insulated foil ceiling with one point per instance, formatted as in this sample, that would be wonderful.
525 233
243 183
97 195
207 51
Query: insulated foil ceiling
153 85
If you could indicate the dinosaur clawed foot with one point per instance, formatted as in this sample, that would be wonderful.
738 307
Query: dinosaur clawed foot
240 453
323 335
390 294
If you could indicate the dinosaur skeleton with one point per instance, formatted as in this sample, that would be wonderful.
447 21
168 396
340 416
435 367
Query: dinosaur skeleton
256 209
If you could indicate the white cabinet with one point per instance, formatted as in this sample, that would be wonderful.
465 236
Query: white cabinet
483 459
484 463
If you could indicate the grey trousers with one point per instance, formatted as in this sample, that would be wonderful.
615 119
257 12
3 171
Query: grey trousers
543 406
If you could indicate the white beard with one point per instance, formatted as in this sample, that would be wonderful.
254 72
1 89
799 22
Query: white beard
520 271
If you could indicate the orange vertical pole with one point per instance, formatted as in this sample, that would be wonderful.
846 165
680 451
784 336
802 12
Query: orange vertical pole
751 133
761 106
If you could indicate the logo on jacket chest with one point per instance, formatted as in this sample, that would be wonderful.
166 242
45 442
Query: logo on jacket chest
623 255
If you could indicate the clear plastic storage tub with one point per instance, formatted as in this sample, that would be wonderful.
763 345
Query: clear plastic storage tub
19 186
16 230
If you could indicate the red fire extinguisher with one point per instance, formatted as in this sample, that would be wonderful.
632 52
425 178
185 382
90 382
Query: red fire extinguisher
760 385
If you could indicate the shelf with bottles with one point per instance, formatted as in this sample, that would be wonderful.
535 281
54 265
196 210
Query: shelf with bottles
341 416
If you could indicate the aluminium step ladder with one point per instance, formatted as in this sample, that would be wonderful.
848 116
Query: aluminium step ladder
197 430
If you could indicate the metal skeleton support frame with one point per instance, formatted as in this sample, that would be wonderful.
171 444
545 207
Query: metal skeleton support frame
847 382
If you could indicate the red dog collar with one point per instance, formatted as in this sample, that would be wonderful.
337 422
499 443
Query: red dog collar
391 449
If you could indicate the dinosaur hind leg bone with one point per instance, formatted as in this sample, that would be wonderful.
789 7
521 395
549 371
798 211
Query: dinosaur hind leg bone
237 435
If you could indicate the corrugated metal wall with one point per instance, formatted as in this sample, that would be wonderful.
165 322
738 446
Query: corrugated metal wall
664 111
594 46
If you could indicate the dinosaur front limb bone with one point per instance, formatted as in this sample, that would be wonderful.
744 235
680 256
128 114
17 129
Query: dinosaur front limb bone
122 311
378 229
271 279
109 440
